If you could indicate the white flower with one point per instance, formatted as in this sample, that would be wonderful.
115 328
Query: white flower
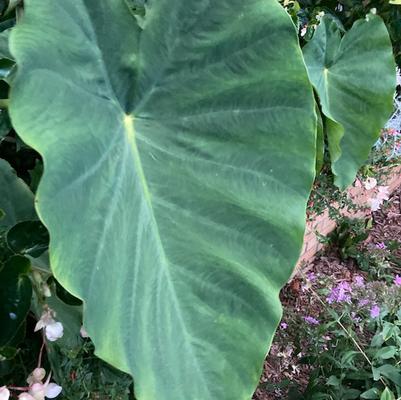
54 330
320 15
4 393
370 183
83 332
381 195
36 376
304 30
375 204
53 390
373 10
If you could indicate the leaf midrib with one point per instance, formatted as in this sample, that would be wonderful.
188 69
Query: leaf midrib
128 124
130 137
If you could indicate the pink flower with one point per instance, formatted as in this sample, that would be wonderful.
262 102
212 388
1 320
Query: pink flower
397 280
39 390
4 393
36 376
392 131
283 326
375 311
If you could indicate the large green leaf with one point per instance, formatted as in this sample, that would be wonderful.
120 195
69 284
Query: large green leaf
354 76
178 162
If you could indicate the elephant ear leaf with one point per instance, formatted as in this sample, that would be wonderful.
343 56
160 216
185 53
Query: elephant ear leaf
178 163
354 77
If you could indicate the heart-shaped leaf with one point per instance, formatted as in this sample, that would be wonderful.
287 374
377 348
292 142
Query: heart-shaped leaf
178 163
354 76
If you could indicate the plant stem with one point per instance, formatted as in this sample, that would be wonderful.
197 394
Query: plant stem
41 353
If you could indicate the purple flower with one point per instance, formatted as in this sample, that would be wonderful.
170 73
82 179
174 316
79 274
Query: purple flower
363 302
375 311
397 280
283 326
311 276
359 281
340 293
311 321
381 246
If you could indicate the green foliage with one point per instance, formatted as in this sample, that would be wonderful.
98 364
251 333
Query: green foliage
348 235
172 166
353 346
352 96
348 11
180 148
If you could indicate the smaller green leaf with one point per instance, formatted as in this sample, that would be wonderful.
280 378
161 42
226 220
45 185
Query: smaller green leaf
16 200
7 353
351 394
387 394
348 357
391 372
386 352
36 174
388 330
344 70
376 373
71 318
377 340
5 123
4 48
333 381
6 367
395 2
372 393
15 296
28 237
